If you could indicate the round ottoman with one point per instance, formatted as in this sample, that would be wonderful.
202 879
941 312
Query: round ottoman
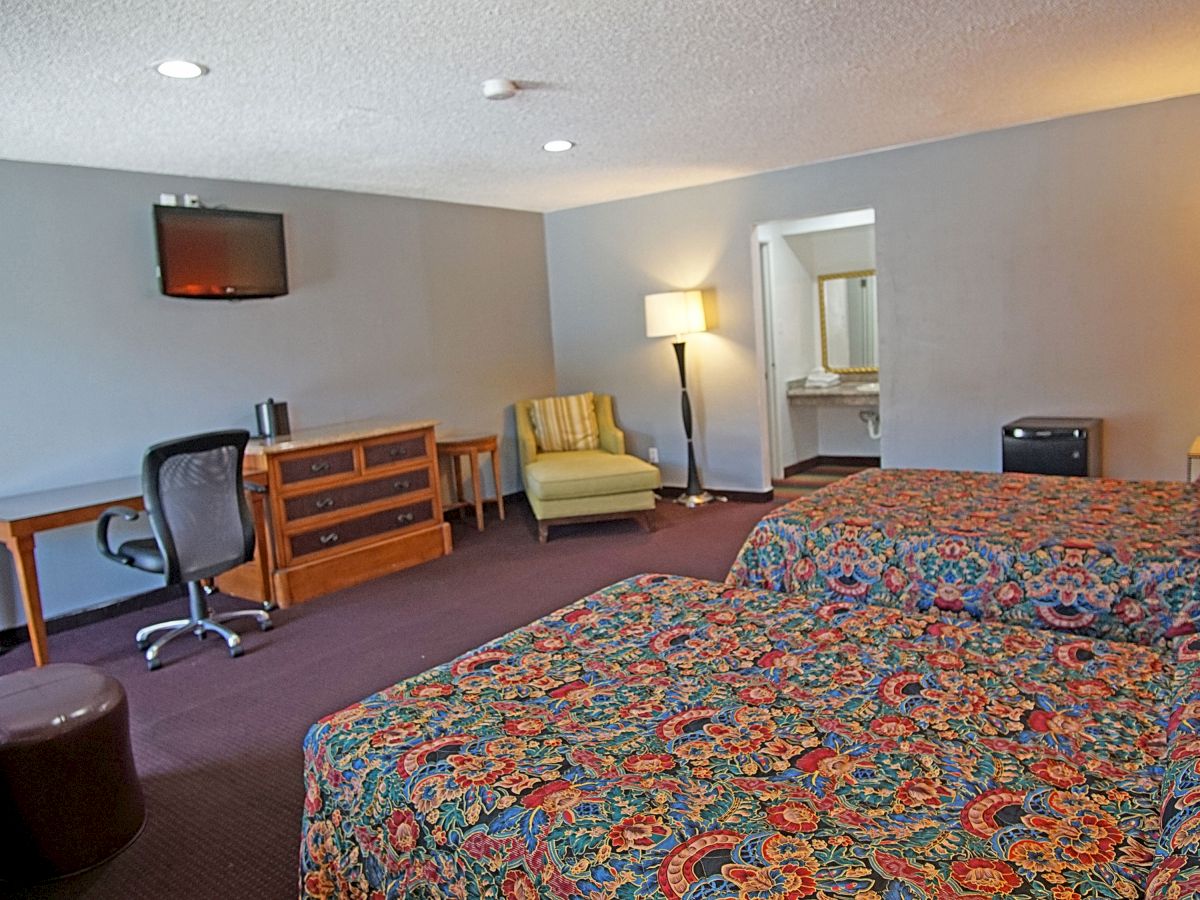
69 792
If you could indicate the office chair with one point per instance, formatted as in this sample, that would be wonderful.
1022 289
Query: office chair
193 492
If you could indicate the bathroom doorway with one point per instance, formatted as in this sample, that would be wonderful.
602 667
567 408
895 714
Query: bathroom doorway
817 294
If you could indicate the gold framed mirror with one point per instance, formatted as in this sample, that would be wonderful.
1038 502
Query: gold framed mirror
849 322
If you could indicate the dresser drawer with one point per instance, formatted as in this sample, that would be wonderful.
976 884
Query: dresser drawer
355 494
316 465
341 533
395 449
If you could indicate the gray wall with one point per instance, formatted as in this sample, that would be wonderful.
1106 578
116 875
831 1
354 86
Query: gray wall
398 307
1050 269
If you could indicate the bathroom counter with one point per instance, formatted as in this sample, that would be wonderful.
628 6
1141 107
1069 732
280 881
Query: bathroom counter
847 393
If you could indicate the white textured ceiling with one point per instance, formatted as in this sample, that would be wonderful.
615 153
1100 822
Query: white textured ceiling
384 96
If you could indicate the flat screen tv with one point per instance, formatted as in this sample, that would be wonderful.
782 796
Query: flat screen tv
220 254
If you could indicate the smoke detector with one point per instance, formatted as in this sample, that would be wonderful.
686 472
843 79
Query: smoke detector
499 89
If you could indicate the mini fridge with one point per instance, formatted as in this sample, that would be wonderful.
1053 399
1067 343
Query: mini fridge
1046 446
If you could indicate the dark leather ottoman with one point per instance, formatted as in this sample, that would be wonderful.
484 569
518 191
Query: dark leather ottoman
69 792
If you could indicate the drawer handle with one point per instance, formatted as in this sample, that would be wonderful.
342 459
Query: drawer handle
394 452
400 485
324 503
405 518
331 538
319 467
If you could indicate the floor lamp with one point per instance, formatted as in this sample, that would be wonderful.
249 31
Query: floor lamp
676 314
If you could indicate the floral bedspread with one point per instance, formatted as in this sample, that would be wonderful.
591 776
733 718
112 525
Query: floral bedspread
668 737
1101 557
1176 873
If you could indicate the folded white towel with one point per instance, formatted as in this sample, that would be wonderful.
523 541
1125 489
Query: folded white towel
821 378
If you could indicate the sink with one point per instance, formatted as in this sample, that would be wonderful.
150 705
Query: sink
871 387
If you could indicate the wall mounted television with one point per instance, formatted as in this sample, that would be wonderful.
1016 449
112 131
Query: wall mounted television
220 254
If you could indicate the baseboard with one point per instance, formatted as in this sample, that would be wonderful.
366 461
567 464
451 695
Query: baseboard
670 493
19 634
863 462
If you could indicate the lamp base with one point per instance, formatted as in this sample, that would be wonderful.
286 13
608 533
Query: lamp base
691 501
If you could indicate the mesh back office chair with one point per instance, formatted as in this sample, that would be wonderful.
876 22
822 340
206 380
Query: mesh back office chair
193 491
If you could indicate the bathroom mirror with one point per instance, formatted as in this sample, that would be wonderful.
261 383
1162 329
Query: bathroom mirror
849 338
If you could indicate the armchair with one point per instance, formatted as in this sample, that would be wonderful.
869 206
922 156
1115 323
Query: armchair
584 485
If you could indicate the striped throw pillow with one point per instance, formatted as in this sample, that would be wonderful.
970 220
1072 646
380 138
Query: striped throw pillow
566 423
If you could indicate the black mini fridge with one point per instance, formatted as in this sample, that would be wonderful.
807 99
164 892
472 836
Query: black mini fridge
1044 446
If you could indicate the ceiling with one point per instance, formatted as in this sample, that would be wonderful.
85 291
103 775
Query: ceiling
384 96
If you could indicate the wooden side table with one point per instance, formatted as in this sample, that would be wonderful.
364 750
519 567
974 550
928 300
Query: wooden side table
455 447
1193 455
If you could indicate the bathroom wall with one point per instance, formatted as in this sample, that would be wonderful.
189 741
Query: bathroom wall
839 430
793 353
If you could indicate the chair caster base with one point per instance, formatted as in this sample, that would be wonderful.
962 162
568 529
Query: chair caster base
200 625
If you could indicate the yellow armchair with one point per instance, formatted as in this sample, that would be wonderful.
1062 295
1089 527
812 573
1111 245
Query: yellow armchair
567 486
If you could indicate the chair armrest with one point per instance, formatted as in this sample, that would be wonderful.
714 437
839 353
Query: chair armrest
612 438
102 543
526 440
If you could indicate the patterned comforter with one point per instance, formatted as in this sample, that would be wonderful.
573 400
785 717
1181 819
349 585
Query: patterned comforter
1114 559
675 738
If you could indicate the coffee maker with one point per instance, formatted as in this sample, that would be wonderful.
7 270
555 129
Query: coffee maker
272 418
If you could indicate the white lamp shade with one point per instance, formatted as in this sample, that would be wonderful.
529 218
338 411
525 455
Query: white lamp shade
674 313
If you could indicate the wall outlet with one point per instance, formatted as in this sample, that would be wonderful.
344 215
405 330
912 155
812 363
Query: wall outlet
652 454
192 200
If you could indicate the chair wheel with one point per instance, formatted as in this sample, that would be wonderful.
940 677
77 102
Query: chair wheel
143 644
235 651
266 625
153 664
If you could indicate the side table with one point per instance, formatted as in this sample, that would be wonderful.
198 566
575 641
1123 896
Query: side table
454 447
1193 455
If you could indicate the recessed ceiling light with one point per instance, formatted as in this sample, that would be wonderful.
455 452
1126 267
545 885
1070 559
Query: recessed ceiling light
180 68
557 146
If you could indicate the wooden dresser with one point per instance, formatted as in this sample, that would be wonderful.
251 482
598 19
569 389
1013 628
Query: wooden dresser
349 503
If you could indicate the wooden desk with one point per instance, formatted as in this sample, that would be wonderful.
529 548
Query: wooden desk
23 516
283 570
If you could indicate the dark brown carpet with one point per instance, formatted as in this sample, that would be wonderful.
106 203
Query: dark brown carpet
218 740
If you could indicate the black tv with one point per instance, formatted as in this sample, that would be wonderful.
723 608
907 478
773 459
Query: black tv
220 254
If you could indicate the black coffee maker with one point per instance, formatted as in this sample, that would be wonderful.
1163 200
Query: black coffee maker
272 419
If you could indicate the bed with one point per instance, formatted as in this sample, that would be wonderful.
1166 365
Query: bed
668 737
1100 557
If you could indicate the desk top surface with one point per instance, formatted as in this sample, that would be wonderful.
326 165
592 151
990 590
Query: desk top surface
332 434
74 497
